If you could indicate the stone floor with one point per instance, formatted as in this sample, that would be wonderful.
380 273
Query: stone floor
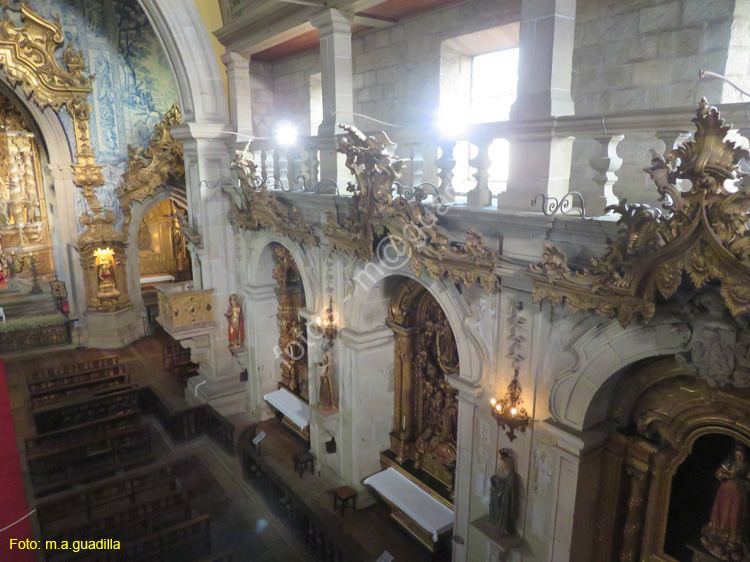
241 519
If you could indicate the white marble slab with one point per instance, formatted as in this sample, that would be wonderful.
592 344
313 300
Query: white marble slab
425 510
289 405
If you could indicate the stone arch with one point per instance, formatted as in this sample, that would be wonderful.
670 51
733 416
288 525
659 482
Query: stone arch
258 273
59 187
186 42
139 210
366 276
579 397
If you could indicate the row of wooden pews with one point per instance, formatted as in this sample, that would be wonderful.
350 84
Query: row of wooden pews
177 363
91 465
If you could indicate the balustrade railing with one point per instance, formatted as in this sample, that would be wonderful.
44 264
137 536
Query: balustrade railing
598 155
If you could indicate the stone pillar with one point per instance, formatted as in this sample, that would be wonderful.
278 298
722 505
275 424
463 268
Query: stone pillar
335 33
544 74
634 516
238 81
207 158
468 395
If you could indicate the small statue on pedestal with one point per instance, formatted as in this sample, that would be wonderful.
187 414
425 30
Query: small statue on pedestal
325 394
503 493
236 321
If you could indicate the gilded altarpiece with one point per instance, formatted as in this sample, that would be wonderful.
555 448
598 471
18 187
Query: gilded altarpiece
423 438
24 231
292 328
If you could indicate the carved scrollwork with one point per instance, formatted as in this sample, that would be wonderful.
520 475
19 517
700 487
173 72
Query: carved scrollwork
147 169
702 232
27 57
260 209
380 207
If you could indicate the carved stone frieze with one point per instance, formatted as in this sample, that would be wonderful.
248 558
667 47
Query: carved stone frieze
701 234
146 169
261 209
375 211
718 354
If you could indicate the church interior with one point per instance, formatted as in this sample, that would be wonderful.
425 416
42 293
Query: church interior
374 280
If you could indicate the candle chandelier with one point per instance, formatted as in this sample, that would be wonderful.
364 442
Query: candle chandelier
324 323
507 410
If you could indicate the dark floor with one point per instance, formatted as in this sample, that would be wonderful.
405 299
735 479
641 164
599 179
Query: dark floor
241 519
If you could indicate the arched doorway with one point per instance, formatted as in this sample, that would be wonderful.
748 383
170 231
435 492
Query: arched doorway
660 470
162 253
423 437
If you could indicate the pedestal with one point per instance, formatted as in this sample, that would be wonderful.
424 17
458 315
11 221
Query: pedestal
113 330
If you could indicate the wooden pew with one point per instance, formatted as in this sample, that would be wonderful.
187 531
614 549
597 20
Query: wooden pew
85 408
65 438
190 538
108 382
84 504
73 378
90 460
114 525
94 365
176 361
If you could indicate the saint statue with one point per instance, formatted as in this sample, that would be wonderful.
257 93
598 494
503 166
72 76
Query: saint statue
105 276
236 321
503 496
325 396
726 534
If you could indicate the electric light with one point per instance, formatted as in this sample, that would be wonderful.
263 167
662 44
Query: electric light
286 134
507 411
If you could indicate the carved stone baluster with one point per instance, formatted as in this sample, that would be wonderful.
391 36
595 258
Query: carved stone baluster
280 166
311 164
416 162
446 163
295 168
266 162
605 166
634 516
481 196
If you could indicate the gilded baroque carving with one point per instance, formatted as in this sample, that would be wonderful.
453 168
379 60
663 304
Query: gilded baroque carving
28 57
702 232
146 169
375 211
261 209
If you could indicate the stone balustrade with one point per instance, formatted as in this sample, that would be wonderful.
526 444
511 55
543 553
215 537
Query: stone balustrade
181 308
433 158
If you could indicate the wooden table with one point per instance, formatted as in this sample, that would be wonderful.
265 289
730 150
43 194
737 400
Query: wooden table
345 495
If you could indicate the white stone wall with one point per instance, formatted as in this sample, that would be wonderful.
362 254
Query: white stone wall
263 99
291 87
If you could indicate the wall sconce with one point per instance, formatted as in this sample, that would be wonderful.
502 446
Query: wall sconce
324 323
507 411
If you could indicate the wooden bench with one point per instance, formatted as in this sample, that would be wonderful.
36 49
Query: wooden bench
190 538
92 459
177 363
83 504
74 378
98 387
94 365
113 525
85 408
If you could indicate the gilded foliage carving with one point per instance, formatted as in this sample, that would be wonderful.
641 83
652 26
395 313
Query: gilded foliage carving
701 232
260 209
28 44
147 169
375 210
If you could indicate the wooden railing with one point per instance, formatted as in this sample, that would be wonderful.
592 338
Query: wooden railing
191 423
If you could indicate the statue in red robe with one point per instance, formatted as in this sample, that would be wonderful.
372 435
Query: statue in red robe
236 334
726 535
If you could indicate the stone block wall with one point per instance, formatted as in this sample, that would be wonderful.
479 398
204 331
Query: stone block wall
291 86
397 69
646 54
263 99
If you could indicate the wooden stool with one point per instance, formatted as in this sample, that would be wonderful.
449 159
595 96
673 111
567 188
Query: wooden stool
304 461
344 494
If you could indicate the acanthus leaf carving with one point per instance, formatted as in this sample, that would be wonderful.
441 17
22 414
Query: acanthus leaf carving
159 163
261 209
375 210
701 232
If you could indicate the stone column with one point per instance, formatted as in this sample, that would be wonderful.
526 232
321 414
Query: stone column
634 517
207 159
238 81
468 395
544 75
335 33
